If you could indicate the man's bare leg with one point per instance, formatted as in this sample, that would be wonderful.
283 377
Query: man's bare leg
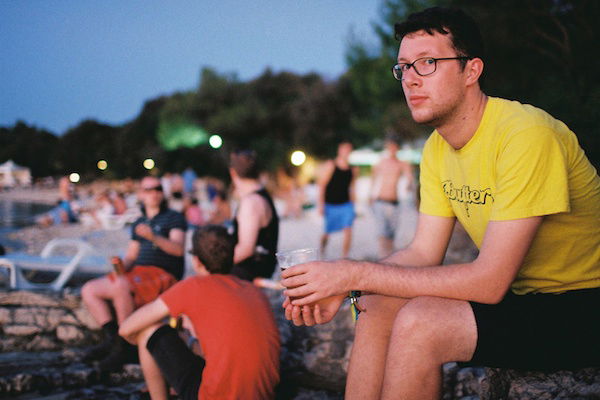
427 332
386 245
369 352
97 292
157 387
324 240
94 294
347 242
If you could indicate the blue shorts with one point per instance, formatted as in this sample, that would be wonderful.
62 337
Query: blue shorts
338 216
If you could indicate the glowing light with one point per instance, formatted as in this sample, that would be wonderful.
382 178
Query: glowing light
298 158
74 177
102 165
149 163
215 141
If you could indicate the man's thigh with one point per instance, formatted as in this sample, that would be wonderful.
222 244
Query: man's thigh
539 331
105 286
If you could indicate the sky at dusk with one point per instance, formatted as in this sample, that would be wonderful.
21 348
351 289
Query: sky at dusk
65 61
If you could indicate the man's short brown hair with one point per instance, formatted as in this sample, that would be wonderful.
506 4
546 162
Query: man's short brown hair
244 163
213 246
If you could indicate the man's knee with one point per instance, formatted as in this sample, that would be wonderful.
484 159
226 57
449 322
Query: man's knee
440 325
422 317
90 289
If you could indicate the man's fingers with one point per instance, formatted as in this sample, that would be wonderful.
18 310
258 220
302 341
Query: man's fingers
303 301
318 317
309 320
299 291
286 302
297 316
288 312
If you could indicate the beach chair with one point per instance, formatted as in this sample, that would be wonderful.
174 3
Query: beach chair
85 260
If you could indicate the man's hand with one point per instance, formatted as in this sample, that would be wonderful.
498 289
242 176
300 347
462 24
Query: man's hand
145 231
310 282
318 313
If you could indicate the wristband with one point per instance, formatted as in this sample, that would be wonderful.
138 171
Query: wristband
354 307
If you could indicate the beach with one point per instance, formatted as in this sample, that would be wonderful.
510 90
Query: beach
300 232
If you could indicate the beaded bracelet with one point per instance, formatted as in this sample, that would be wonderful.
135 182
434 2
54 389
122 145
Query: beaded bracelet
354 307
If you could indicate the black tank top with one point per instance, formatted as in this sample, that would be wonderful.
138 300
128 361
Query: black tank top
262 262
337 190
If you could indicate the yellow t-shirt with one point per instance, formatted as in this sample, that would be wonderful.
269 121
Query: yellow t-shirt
521 163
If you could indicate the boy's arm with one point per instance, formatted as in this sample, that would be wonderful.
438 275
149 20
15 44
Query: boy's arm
143 317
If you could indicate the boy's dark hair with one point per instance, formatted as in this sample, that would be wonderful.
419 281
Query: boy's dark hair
463 30
214 248
244 163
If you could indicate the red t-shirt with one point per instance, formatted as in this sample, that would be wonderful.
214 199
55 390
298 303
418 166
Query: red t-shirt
237 332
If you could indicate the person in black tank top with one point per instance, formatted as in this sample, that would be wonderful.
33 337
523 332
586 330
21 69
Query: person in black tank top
336 197
256 224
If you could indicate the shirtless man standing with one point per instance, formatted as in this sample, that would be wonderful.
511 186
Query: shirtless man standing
386 175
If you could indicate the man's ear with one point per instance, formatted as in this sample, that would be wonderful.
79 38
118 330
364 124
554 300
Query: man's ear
474 69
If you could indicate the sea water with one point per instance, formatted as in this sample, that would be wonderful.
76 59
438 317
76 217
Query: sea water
17 214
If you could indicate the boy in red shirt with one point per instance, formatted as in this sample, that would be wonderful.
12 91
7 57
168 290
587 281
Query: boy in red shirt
232 320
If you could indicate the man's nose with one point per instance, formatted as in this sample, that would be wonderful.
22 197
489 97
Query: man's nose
410 77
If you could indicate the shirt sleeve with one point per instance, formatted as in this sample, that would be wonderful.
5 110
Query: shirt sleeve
532 176
175 298
433 200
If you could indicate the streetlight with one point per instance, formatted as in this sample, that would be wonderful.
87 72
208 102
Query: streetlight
215 141
74 177
102 165
149 163
298 157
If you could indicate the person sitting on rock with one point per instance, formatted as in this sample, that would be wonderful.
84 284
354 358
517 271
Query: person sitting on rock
153 263
236 355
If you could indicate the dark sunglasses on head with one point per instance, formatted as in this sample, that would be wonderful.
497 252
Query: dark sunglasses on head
156 188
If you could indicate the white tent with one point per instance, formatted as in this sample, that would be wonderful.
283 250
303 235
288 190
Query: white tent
12 174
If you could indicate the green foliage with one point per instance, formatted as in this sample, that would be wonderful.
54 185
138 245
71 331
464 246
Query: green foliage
31 147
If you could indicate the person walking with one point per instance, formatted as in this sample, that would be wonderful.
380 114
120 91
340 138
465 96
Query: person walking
387 174
336 197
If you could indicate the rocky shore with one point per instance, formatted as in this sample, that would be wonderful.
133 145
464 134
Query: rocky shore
45 334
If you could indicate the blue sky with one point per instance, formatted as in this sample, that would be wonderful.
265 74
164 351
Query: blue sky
64 61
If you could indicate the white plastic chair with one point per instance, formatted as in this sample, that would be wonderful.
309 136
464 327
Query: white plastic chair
86 259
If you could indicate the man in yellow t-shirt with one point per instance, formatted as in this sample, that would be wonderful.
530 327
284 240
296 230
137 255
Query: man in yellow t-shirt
522 187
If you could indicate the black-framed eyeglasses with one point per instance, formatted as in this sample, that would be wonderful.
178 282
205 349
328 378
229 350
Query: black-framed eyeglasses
423 66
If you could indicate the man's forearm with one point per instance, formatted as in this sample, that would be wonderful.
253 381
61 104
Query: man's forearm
467 281
168 246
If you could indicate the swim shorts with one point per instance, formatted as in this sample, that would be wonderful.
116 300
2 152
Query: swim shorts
539 331
338 216
386 216
147 282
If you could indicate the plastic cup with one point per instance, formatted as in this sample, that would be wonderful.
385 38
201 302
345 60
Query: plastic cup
287 259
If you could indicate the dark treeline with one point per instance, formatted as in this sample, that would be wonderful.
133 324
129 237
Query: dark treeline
538 51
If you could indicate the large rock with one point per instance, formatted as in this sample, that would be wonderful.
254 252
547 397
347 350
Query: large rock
508 384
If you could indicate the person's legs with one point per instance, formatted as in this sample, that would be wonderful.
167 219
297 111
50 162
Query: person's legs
367 361
427 332
94 294
179 366
97 292
386 246
157 387
324 240
347 242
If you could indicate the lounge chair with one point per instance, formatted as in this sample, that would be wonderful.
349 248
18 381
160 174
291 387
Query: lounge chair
85 260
